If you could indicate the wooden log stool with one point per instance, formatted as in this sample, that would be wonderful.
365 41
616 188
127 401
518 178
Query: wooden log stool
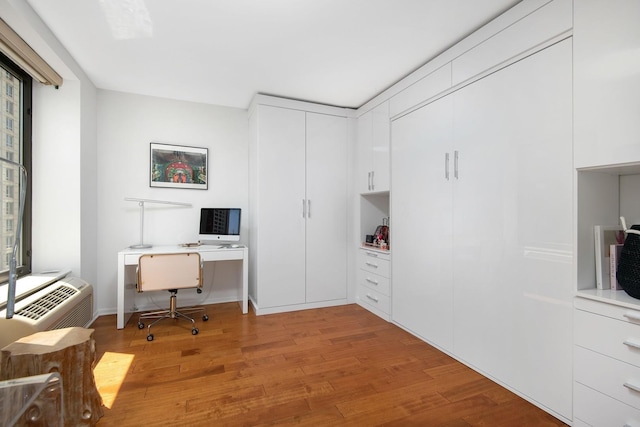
70 352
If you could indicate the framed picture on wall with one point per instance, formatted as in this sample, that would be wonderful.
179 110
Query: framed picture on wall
177 166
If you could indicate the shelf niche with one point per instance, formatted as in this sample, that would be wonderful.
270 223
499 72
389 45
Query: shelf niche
373 207
603 195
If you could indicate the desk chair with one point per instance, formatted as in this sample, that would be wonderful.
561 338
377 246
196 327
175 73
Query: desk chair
170 272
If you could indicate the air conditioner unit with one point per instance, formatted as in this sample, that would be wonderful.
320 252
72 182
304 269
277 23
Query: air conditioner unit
61 304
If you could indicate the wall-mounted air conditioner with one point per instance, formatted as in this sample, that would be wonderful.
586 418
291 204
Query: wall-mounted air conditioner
61 304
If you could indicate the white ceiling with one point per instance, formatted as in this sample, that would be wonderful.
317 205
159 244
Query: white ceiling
336 52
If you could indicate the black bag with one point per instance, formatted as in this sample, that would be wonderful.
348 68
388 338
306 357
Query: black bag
628 272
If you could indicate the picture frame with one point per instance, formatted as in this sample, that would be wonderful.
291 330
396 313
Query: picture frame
178 166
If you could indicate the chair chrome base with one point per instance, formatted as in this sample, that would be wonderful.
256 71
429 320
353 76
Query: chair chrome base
172 313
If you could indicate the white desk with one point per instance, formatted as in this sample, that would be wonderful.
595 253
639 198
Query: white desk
208 253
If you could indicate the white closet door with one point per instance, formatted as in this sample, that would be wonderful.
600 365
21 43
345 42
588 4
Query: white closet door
513 226
364 152
421 221
280 194
326 177
380 147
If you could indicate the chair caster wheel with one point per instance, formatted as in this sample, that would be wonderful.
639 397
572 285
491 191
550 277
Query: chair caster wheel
194 331
205 317
140 325
150 337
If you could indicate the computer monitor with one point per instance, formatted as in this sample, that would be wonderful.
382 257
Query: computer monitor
219 225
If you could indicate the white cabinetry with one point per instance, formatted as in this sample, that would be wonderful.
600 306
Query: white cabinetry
482 181
607 158
421 209
373 150
607 86
374 283
607 364
298 208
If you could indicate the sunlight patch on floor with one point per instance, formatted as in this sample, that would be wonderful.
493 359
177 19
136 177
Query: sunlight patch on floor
110 373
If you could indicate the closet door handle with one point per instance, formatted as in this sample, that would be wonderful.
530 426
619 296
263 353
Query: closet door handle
304 208
369 180
455 164
308 208
446 166
373 185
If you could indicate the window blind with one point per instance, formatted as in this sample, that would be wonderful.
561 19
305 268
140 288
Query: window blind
12 45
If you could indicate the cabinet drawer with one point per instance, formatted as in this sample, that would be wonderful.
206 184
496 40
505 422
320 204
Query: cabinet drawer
614 338
374 281
607 375
623 313
374 299
375 262
592 408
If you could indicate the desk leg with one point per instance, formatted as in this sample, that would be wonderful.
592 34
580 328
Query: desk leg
120 321
245 281
126 295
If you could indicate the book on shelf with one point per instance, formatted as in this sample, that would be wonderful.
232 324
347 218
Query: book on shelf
604 237
614 257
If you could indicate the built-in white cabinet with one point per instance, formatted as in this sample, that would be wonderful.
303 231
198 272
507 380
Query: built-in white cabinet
607 159
513 238
298 203
607 364
374 281
423 173
481 214
607 87
373 150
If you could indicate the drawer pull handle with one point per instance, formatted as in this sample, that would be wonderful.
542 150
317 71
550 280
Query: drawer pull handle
631 343
376 300
632 315
370 264
373 254
375 282
632 387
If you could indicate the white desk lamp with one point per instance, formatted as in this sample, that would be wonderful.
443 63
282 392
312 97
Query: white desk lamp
13 268
141 203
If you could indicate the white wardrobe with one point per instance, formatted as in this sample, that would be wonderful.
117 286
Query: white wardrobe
481 208
298 204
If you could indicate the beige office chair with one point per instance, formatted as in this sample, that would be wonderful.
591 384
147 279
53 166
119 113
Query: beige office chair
170 272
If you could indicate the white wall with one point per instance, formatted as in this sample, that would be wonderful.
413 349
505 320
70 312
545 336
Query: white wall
56 178
126 125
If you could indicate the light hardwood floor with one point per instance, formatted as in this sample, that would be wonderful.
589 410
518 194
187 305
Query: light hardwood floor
332 366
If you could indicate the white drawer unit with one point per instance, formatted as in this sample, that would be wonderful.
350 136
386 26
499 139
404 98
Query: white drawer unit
594 409
376 262
606 364
374 283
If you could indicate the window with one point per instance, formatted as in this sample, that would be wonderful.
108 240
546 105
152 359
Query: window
16 134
